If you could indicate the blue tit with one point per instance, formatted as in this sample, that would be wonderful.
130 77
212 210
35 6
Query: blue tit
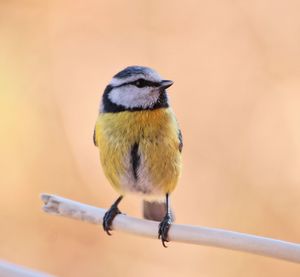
140 143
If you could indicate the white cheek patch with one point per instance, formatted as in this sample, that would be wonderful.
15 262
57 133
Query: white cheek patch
132 97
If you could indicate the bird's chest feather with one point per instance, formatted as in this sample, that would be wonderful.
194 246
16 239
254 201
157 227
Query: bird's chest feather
139 150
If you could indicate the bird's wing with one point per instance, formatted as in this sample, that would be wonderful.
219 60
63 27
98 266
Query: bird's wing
94 137
180 140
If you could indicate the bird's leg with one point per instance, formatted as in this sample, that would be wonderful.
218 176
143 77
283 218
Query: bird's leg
110 215
165 224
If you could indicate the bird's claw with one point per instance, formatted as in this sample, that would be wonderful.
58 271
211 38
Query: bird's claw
109 217
163 229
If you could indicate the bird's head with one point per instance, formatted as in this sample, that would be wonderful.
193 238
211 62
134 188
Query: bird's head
135 88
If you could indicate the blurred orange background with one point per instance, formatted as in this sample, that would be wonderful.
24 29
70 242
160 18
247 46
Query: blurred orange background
236 67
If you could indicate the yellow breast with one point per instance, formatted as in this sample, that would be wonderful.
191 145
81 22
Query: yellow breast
156 133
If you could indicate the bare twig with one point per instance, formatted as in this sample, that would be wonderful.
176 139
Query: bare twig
12 270
182 233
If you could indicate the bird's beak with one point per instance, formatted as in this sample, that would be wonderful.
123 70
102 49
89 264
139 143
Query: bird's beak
165 84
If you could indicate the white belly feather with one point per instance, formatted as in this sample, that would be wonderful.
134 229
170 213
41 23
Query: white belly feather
143 183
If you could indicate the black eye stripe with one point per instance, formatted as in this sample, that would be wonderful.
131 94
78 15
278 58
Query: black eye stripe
140 83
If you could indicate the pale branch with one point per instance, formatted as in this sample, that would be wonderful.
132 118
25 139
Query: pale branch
181 233
8 269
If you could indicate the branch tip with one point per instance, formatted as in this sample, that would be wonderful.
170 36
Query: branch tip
50 204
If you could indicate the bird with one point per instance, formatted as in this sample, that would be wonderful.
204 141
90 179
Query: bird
140 144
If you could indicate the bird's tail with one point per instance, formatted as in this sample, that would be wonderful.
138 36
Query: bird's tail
155 210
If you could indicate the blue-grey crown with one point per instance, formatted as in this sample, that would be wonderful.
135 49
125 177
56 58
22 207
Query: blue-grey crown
132 70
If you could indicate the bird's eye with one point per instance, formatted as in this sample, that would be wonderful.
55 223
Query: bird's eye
140 83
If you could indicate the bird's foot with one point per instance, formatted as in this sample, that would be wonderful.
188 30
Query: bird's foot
109 217
163 229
